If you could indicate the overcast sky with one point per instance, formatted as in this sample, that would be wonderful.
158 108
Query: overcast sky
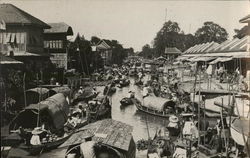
135 23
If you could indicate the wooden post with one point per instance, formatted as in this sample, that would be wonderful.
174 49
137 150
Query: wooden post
24 89
199 104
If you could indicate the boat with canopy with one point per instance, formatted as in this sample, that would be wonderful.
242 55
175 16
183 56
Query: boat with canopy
109 137
52 113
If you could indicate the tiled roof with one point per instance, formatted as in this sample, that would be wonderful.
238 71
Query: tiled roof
172 50
103 45
60 27
12 15
245 19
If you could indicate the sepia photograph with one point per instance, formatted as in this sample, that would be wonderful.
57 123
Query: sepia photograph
125 78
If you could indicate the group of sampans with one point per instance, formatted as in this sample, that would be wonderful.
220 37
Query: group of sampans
180 139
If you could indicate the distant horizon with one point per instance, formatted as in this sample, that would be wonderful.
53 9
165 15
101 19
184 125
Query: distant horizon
135 23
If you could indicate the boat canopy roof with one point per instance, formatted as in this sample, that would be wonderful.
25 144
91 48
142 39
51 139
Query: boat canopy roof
157 103
241 125
38 90
56 108
65 90
109 132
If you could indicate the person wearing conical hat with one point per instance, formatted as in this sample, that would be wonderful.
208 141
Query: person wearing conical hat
173 121
35 139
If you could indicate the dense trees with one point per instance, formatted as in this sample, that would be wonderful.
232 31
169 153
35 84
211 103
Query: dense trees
170 35
211 32
83 59
147 52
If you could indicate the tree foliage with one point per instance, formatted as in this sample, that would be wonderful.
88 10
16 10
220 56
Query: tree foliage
211 31
82 58
171 35
147 52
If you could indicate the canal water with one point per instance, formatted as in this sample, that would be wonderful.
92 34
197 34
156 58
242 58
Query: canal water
130 115
138 120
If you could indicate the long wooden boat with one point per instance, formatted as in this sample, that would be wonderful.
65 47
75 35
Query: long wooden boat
148 110
38 149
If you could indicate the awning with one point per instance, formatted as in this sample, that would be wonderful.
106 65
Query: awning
229 54
220 59
181 58
202 58
7 60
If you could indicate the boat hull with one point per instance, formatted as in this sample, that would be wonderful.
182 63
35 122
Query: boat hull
38 149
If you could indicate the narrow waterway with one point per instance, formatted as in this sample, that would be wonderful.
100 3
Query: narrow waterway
133 117
130 115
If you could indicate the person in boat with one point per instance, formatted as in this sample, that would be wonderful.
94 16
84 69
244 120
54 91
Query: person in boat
91 109
174 97
190 130
145 91
35 139
70 124
173 126
78 111
81 90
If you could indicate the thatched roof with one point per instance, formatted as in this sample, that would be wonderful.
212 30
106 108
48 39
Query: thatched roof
110 132
60 27
12 15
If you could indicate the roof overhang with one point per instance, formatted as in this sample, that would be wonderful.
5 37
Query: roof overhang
246 19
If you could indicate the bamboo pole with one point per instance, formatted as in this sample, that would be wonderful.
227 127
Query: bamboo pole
199 104
24 90
223 127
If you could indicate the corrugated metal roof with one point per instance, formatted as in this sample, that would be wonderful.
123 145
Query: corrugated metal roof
60 27
245 19
10 14
201 48
224 47
233 45
218 46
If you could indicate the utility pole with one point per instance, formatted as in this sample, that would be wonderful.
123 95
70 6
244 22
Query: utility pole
166 13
